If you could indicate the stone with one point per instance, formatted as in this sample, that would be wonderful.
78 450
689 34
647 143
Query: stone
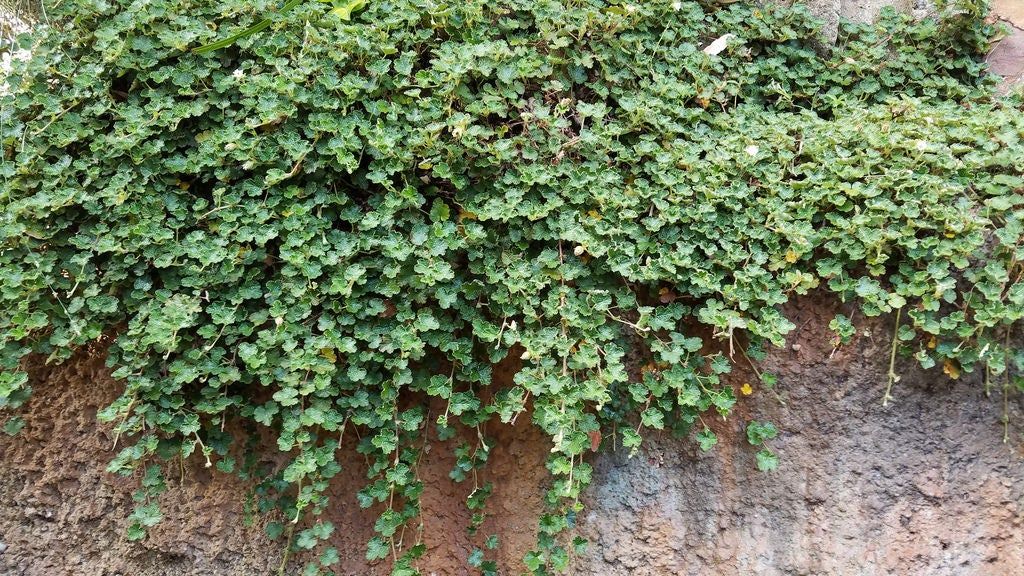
1010 10
828 12
1007 60
868 10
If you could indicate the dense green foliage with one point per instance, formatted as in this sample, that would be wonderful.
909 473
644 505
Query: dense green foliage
318 226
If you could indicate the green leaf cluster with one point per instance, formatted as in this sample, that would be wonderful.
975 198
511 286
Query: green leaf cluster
338 224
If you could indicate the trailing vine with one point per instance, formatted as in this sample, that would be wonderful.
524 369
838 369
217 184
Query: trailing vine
316 229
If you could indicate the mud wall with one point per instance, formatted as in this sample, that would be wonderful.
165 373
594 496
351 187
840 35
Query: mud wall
924 486
61 514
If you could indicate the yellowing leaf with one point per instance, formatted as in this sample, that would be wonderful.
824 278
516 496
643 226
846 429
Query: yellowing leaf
931 343
594 214
329 354
951 368
791 256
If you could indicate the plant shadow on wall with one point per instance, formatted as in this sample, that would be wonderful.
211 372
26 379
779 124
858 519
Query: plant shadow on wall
311 228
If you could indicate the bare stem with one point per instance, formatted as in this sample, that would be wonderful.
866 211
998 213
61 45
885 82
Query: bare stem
1006 391
287 550
893 377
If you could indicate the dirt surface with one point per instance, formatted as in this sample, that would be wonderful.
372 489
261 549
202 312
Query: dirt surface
62 514
924 486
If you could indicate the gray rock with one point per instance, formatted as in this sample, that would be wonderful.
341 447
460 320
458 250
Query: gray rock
925 486
828 12
868 10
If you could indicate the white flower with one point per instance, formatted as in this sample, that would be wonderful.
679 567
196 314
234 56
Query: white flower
238 74
921 145
677 5
752 150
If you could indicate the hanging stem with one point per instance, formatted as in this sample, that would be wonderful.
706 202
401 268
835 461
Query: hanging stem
1006 390
988 380
287 550
893 377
